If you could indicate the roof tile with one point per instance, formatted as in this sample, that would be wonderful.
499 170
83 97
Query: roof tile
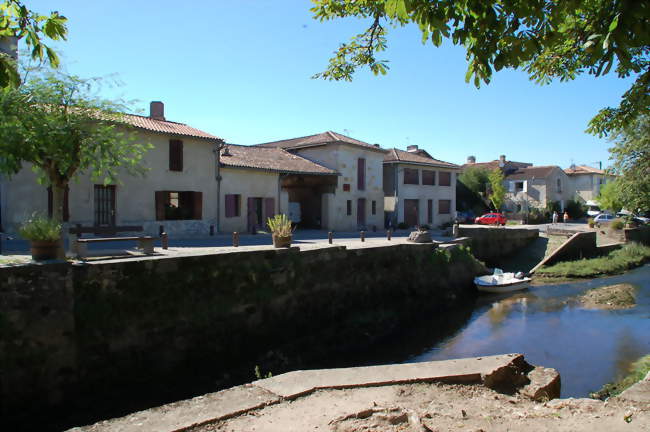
167 127
422 157
271 159
319 139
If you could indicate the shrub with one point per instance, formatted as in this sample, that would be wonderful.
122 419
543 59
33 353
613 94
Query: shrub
280 225
575 209
425 227
402 225
39 227
535 216
618 224
591 222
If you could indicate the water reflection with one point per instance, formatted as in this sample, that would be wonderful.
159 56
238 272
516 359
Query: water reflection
548 325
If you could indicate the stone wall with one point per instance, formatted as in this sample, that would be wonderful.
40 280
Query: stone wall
491 244
639 235
85 336
580 245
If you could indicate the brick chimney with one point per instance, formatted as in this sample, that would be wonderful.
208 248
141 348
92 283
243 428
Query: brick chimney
471 159
412 148
157 110
502 161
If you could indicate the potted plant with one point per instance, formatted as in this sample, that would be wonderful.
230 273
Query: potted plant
280 226
591 222
43 234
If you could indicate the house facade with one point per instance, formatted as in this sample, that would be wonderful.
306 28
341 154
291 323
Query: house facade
355 201
587 181
176 192
418 189
534 186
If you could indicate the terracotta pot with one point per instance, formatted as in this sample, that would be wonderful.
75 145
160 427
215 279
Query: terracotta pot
281 241
44 249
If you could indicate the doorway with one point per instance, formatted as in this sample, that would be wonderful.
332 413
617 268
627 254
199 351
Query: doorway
411 212
104 205
361 212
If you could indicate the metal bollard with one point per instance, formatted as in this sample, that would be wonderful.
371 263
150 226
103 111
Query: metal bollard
211 230
165 240
161 229
235 239
330 236
389 233
363 236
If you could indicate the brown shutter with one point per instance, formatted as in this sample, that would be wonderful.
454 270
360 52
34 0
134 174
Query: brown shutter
361 174
175 155
160 205
429 211
445 179
197 201
269 208
230 205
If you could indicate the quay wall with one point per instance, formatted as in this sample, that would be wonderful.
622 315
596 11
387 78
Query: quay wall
83 336
491 244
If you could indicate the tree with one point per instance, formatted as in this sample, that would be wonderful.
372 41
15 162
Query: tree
475 179
16 21
631 156
609 197
549 39
57 124
497 190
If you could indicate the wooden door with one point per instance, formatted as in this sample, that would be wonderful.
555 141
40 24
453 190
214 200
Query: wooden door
104 205
411 212
361 212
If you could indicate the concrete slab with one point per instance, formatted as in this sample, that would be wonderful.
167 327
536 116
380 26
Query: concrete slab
188 413
294 384
639 392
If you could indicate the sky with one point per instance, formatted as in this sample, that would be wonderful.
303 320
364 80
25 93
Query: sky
242 70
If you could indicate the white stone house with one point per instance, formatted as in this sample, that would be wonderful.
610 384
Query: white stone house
587 181
177 192
534 186
418 189
356 200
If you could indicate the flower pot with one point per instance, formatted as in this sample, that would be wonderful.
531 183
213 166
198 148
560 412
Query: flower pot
281 241
44 249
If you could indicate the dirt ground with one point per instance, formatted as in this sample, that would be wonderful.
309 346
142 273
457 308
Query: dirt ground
427 407
619 296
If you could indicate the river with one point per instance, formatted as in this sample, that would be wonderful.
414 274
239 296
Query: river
588 347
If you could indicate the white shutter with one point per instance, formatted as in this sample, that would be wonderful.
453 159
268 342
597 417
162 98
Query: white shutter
525 185
511 187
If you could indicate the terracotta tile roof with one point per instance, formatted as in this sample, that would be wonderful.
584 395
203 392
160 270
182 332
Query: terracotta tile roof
583 169
271 159
167 127
509 165
319 139
420 157
533 171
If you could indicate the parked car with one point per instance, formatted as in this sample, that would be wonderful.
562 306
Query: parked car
491 219
635 218
603 218
465 217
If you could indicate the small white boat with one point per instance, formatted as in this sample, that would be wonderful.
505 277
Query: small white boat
501 282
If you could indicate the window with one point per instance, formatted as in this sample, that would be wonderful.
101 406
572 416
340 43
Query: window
104 200
559 185
428 177
233 205
66 206
346 187
444 178
374 207
349 209
411 176
519 186
175 155
361 174
429 211
444 206
176 205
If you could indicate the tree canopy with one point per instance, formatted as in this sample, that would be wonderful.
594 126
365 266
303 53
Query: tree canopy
56 123
497 190
631 157
17 21
548 39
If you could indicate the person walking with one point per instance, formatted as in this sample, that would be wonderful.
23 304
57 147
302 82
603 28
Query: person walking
555 216
566 217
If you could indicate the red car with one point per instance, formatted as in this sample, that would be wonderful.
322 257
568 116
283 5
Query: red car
491 219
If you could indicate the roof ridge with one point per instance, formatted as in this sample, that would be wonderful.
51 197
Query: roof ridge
156 120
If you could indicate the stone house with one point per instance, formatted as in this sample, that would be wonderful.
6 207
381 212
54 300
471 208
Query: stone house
356 200
418 189
176 192
534 186
587 181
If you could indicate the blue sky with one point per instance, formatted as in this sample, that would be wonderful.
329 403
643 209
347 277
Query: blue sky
242 70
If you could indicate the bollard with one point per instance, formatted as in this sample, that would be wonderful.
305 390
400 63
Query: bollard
389 233
330 235
165 240
211 230
363 236
235 239
161 229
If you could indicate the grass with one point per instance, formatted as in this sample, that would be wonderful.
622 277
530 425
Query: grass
616 262
638 371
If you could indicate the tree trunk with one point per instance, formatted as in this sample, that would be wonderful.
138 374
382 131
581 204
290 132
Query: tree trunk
58 193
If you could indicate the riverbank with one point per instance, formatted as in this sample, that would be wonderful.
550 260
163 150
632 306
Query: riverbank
638 370
629 256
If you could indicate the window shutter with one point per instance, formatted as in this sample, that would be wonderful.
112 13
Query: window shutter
175 155
511 187
197 202
429 211
160 205
361 174
269 208
525 185
230 205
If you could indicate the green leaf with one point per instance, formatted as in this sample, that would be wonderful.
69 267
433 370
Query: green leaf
614 23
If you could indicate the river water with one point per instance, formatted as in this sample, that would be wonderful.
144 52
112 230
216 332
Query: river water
588 347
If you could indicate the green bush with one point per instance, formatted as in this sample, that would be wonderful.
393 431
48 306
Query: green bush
575 209
591 222
618 224
535 216
39 227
